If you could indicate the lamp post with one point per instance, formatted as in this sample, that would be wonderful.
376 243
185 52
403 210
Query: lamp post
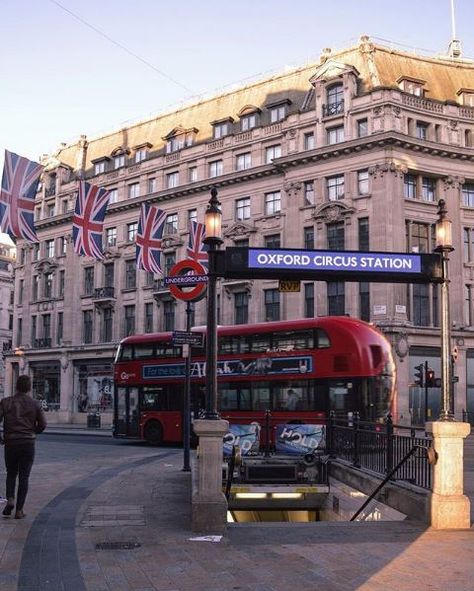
444 247
213 224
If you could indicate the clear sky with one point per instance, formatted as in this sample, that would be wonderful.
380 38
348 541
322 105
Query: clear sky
59 78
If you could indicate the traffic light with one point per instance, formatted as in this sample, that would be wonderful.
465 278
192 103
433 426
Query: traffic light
430 378
420 375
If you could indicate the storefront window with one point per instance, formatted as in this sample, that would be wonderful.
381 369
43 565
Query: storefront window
93 387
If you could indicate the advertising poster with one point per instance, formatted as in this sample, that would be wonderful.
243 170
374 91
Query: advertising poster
298 439
247 437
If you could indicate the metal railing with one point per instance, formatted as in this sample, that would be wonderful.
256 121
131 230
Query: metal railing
333 108
104 293
379 447
42 343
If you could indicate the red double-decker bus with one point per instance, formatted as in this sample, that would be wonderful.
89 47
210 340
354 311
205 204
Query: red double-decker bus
299 370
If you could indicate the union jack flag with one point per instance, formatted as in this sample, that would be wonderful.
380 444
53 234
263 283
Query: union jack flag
197 250
148 238
17 196
88 220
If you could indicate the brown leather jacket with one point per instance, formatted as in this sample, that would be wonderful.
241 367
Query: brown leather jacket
22 418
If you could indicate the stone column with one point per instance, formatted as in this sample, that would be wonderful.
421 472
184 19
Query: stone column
450 508
209 505
66 403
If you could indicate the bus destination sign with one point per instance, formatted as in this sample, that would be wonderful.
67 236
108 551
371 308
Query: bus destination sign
187 337
326 265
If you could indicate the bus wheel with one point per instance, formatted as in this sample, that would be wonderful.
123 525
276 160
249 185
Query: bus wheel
153 433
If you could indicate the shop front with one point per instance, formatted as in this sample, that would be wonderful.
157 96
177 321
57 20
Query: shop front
92 389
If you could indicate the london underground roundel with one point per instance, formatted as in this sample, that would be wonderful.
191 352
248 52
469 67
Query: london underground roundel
188 280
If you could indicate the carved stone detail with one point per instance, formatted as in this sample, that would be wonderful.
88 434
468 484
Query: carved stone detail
453 182
292 188
239 230
332 212
387 167
46 266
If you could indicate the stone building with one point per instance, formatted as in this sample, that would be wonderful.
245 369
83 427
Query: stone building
7 261
352 152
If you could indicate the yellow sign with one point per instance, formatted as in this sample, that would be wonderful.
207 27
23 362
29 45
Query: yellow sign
286 286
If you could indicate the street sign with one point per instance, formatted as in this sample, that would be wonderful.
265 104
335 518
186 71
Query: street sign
186 337
182 275
285 286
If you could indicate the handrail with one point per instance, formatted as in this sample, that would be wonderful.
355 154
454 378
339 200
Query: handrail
235 460
432 457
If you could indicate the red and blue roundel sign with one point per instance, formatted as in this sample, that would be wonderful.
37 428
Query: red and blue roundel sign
184 275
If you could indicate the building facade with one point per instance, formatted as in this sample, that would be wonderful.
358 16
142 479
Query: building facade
350 153
7 262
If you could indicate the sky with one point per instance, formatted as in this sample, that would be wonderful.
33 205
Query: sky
61 78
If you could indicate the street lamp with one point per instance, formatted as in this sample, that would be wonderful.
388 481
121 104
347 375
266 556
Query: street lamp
444 247
213 224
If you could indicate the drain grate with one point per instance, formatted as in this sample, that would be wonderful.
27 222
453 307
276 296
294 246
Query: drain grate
113 515
117 545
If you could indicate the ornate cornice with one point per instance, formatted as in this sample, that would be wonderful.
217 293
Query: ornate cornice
332 212
239 230
453 182
387 167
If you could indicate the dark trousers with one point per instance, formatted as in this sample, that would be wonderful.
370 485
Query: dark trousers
19 459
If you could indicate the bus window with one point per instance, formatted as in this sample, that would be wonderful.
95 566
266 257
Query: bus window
144 351
289 341
261 396
126 352
229 344
153 398
227 397
257 342
322 339
245 399
167 350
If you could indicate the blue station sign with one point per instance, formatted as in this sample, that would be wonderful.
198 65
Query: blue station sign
326 265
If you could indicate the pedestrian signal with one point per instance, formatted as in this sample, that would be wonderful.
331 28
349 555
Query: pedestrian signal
430 380
419 375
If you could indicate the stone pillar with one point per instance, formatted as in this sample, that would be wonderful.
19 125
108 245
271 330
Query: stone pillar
209 505
450 508
66 403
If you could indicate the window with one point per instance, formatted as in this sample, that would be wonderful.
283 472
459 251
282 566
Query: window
50 210
272 304
19 331
272 203
109 275
364 301
243 161
88 280
171 224
309 300
420 237
335 187
46 326
244 243
428 189
192 215
132 229
362 127
59 330
33 331
148 317
170 261
221 129
129 317
130 274
410 186
62 246
363 234
119 161
277 113
21 290
168 315
192 174
36 251
363 182
309 238
335 100
64 205
309 143
49 249
468 194
21 256
48 286
175 143
336 236
62 278
133 190
308 193
111 237
107 327
241 307
34 288
421 130
87 326
336 298
152 185
272 152
468 245
216 168
242 209
113 197
99 167
335 134
172 180
469 305
248 122
141 155
421 305
272 241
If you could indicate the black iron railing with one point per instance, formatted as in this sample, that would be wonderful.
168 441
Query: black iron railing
333 108
42 343
379 447
104 293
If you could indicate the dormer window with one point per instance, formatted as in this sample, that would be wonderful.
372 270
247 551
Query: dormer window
141 152
467 96
249 117
334 100
414 86
119 161
99 166
180 138
278 111
222 128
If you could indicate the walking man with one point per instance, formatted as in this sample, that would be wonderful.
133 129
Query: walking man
22 418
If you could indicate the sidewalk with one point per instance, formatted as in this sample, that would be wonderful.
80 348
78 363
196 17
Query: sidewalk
126 527
72 429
